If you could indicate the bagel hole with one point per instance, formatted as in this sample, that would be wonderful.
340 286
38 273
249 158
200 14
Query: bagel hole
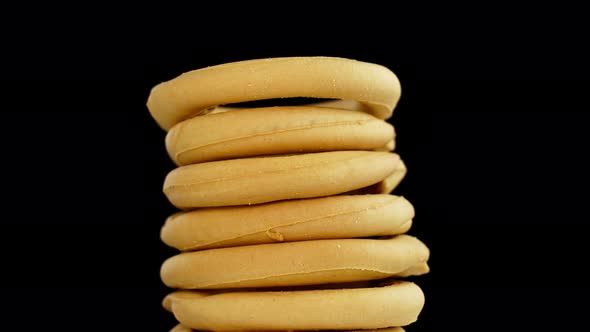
291 101
343 285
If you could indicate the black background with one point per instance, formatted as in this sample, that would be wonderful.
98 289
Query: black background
491 125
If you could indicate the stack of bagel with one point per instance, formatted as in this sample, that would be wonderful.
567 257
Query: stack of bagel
288 221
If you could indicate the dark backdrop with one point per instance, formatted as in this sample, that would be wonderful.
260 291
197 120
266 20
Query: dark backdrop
493 131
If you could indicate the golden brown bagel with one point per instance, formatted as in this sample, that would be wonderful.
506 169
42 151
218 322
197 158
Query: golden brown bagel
196 92
180 328
275 130
397 303
296 263
266 179
330 217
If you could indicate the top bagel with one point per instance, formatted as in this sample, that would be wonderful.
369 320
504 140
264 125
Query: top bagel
375 87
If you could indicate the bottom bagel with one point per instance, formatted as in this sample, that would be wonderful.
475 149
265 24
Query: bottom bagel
396 303
180 328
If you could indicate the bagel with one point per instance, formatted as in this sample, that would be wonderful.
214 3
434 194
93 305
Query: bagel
296 263
275 130
397 303
293 220
180 328
198 91
266 179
